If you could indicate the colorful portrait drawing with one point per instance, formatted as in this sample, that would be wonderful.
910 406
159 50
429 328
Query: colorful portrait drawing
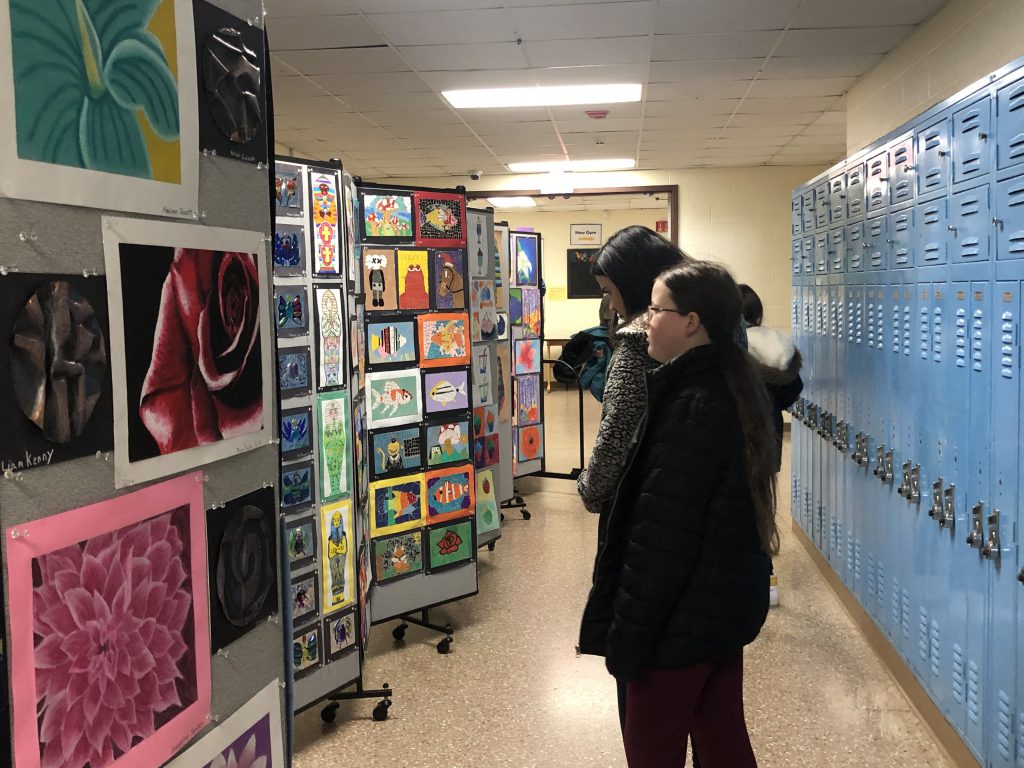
113 107
527 399
189 346
397 450
288 190
444 340
306 651
297 486
525 246
132 571
397 556
448 280
447 443
387 216
340 634
484 323
289 250
530 443
379 279
451 493
440 219
396 505
531 312
330 332
450 545
391 341
413 268
301 542
334 445
291 310
446 390
338 555
393 398
488 517
293 371
324 198
528 356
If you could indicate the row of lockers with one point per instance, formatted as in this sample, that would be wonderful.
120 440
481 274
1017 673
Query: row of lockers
949 150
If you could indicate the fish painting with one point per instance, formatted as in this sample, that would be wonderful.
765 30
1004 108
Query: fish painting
445 392
388 342
441 217
449 493
392 397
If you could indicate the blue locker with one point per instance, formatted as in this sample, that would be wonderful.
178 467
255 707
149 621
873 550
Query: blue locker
797 259
901 238
822 513
837 250
855 191
796 216
932 231
808 257
854 237
1009 219
970 223
822 205
931 143
821 255
972 144
837 198
876 242
807 211
902 186
876 188
1010 126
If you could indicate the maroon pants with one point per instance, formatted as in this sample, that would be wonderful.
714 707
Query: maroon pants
705 700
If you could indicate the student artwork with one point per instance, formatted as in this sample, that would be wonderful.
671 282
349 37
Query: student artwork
444 340
448 280
292 310
446 390
393 398
306 646
485 421
55 387
337 555
483 374
301 542
525 247
515 307
580 282
450 493
334 448
355 344
305 597
296 427
232 119
297 486
397 556
396 450
324 188
241 542
391 341
528 356
478 244
365 584
189 345
386 216
486 451
488 517
289 250
502 372
359 435
340 633
530 443
293 377
131 571
348 189
249 738
97 112
531 312
288 189
440 220
447 443
379 279
527 395
501 321
330 325
396 505
413 266
450 545
502 264
484 324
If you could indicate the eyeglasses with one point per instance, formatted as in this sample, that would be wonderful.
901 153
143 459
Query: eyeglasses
653 310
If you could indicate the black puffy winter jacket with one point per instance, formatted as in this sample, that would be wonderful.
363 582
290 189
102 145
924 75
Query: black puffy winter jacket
682 578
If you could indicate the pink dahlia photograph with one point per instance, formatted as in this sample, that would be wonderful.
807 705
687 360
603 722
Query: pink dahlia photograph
114 658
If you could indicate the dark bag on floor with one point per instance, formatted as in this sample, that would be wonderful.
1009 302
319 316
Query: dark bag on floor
586 353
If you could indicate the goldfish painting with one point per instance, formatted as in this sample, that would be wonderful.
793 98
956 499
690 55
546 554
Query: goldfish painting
441 217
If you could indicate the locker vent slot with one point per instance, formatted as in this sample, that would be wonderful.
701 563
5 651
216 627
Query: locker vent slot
897 619
1016 145
977 354
937 335
970 164
856 561
1020 739
880 589
924 333
896 329
1004 727
933 177
1006 346
922 634
1016 246
906 331
970 248
931 140
961 339
905 615
934 646
958 674
902 189
973 692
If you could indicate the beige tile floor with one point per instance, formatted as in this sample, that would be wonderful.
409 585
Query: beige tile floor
513 693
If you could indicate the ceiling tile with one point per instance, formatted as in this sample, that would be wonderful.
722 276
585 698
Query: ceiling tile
726 89
760 130
414 117
783 67
754 142
769 106
319 105
614 110
826 129
801 88
279 8
697 16
455 133
852 41
692 106
347 60
719 69
431 58
398 6
381 82
295 86
375 102
581 21
832 118
752 120
654 125
486 126
590 51
741 45
864 13
296 33
491 25
588 125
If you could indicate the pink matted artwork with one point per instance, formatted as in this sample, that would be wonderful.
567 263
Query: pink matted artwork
110 643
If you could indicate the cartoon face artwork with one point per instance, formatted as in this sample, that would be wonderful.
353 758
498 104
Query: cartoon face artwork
379 279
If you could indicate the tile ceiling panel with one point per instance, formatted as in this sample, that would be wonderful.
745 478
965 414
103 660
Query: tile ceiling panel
726 89
772 118
802 88
318 105
426 58
444 27
614 110
783 67
587 125
579 53
742 45
853 41
379 82
693 106
455 133
346 60
414 117
864 13
297 33
689 71
292 86
698 16
400 6
281 8
567 22
375 102
485 126
772 106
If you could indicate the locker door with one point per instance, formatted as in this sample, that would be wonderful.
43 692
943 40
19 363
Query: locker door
808 258
840 451
797 258
821 521
932 232
849 370
971 222
854 191
821 255
837 250
902 186
1010 126
855 247
796 222
822 205
1009 219
901 238
837 198
876 234
1001 655
831 486
806 500
876 189
807 211
932 146
972 149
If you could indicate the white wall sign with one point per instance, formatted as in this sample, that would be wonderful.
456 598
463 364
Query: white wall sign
585 234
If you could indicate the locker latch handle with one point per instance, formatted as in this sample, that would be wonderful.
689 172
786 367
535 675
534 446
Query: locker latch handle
977 527
879 470
888 474
904 489
948 517
991 549
935 510
915 484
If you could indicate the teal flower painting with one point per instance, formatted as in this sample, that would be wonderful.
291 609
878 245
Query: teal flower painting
92 85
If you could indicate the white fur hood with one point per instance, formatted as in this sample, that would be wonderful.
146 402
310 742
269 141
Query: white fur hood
770 348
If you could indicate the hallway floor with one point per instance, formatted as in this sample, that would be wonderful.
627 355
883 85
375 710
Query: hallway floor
513 693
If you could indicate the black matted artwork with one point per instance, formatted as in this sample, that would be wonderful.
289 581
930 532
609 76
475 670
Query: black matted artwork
231 64
55 386
242 558
581 284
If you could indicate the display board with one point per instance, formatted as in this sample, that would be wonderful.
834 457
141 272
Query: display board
417 368
526 321
138 480
313 311
504 481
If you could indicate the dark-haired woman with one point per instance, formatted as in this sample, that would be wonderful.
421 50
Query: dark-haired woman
681 582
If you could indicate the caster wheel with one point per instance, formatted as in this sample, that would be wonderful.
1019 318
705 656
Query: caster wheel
490 546
526 515
327 714
444 646
503 517
380 712
399 632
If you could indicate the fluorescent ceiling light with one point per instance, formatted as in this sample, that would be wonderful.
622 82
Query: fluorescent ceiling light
581 166
543 96
512 202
